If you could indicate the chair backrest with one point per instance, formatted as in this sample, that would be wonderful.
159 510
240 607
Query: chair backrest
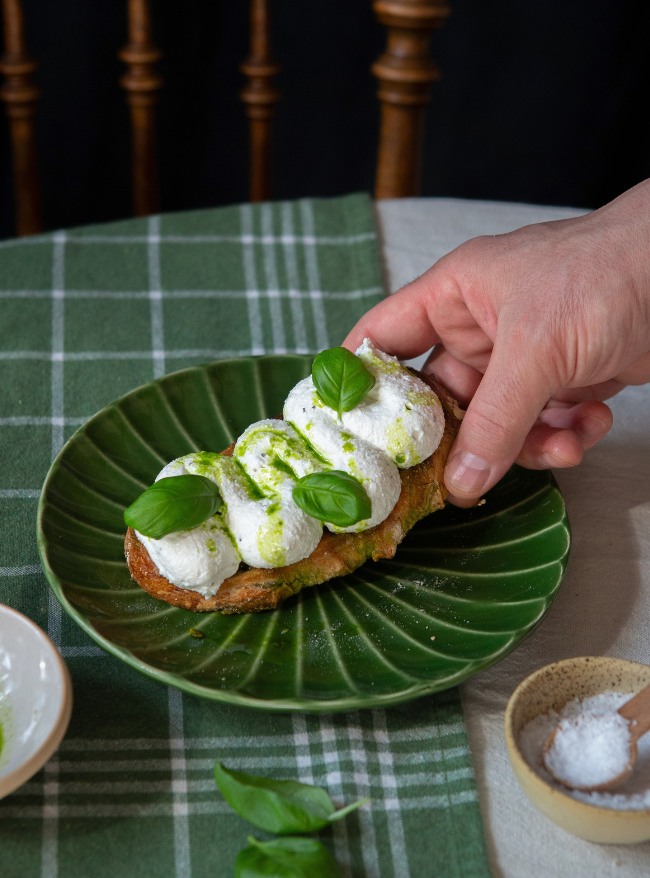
405 72
142 84
20 95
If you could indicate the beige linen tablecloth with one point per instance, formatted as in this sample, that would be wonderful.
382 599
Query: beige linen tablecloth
604 605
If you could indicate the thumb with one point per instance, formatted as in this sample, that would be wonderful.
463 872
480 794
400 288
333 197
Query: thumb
508 400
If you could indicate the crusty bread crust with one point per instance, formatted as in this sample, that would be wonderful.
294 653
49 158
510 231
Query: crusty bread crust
253 590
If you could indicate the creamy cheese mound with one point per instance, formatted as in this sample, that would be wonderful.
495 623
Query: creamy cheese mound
401 415
398 424
256 484
344 451
199 559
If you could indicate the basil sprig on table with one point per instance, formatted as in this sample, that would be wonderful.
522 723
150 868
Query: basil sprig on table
334 497
286 858
341 379
279 806
176 503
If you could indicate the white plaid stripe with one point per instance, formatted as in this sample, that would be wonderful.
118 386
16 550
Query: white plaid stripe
179 786
93 810
360 754
250 279
27 421
361 779
58 347
313 275
50 815
302 738
272 285
392 804
246 238
49 851
182 858
291 266
335 786
293 293
303 750
54 620
58 317
155 297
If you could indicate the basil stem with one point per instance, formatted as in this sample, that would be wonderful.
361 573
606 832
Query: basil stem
279 806
176 503
286 858
333 496
341 379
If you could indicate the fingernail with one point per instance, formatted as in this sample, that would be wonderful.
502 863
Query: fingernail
592 428
467 473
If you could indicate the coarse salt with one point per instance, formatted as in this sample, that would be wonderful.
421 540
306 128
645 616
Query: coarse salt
633 794
589 749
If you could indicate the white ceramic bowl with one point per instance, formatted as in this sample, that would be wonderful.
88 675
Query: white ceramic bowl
35 699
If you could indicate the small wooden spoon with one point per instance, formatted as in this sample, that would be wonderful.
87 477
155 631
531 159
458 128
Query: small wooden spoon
637 713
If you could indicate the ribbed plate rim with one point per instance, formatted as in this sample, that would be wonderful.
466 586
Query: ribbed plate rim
303 705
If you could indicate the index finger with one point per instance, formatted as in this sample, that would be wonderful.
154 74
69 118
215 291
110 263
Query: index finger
399 325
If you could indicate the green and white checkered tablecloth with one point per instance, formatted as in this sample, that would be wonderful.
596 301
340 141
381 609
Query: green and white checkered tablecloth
85 316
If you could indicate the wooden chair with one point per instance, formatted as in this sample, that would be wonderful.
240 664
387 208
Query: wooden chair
405 73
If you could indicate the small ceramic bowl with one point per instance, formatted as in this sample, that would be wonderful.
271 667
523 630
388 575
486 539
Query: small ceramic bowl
552 687
35 699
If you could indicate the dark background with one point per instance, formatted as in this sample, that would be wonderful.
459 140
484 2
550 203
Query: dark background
542 101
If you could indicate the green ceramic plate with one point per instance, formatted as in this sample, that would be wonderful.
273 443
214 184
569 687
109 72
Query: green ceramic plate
465 587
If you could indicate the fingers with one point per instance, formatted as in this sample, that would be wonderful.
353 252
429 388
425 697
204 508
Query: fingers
461 381
561 436
604 390
548 447
545 448
591 421
399 325
508 400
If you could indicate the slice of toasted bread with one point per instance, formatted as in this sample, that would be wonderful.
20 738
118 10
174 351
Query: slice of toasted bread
252 590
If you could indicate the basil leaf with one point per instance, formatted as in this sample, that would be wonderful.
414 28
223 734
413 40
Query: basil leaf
341 379
286 858
279 806
332 496
176 503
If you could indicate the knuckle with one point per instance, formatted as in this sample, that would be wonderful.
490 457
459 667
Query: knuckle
488 429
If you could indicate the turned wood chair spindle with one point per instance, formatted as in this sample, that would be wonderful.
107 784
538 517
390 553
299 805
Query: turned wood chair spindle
142 83
260 97
405 72
20 95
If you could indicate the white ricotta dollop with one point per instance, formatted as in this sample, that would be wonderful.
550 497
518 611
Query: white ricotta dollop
401 415
275 457
344 451
174 468
199 559
268 528
246 510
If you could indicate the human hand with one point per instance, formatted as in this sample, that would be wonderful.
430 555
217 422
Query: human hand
534 329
